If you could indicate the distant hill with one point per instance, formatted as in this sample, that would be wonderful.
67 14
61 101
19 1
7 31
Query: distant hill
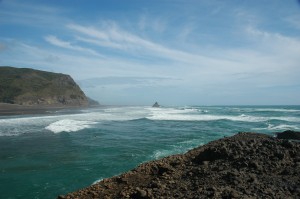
25 86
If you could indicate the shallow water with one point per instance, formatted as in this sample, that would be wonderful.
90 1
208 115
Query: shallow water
43 156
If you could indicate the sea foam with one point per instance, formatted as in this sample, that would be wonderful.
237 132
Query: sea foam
186 117
280 127
170 114
177 148
68 125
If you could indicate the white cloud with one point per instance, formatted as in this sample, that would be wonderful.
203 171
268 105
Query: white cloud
280 49
294 21
234 59
271 53
151 23
31 15
64 44
79 65
53 40
112 34
114 37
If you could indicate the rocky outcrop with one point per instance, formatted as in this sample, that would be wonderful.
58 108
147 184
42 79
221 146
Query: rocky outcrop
29 87
247 165
292 135
156 105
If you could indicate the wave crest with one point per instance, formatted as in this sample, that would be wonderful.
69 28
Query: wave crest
68 125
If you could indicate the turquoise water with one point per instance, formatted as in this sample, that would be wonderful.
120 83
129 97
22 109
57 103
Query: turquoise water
48 155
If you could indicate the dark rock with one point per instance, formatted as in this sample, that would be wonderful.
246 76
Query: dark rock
139 193
292 135
156 105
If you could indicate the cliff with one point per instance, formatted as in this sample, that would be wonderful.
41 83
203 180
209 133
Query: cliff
29 87
247 165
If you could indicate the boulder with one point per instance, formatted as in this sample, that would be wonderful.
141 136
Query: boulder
291 135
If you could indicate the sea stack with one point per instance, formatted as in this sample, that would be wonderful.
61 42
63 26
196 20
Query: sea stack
156 105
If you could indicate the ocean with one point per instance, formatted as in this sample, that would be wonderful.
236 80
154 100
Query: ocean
43 156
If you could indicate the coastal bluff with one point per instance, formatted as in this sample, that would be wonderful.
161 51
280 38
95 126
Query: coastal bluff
246 165
25 87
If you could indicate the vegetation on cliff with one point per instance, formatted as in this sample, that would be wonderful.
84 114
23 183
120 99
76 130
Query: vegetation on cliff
25 86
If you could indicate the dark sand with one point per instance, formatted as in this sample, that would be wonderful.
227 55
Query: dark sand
247 165
15 109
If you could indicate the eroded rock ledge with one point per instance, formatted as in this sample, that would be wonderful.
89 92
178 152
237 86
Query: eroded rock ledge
247 165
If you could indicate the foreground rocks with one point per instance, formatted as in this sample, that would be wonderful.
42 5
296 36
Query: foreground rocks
247 165
289 135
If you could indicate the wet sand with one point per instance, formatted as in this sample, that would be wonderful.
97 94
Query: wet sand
15 109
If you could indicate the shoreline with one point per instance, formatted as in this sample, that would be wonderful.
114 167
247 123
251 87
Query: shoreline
246 165
15 109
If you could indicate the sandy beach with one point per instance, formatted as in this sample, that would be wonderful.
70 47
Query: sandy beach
15 109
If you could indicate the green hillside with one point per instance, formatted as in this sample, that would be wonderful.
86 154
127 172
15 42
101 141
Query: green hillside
26 86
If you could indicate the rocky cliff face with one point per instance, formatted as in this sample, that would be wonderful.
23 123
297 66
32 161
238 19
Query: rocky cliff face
25 86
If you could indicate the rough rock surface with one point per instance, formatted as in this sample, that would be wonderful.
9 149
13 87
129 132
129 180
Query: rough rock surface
293 135
247 165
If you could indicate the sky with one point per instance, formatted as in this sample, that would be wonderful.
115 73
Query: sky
176 52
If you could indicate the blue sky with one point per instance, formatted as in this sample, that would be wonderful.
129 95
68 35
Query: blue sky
176 52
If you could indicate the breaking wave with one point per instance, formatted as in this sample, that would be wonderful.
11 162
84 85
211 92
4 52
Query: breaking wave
68 125
280 127
182 116
71 122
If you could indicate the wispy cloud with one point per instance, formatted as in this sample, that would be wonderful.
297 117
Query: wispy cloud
79 65
271 53
294 21
112 81
112 36
32 15
276 46
156 24
215 46
65 44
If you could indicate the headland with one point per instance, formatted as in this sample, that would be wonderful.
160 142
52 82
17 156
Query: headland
30 91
